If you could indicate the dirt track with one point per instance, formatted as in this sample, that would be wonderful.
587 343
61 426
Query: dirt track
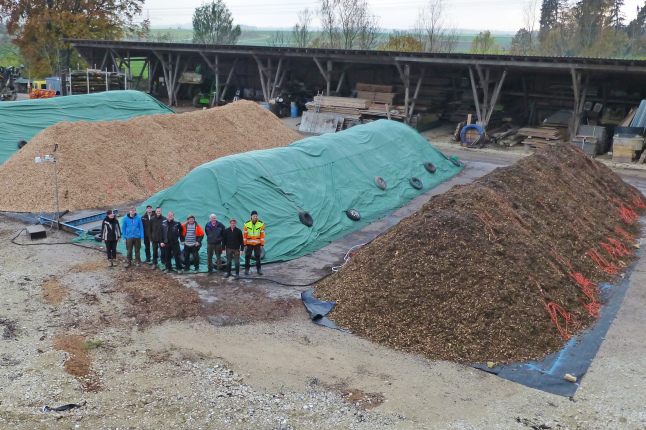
222 365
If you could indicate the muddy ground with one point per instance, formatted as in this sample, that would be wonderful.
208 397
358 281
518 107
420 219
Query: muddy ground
139 349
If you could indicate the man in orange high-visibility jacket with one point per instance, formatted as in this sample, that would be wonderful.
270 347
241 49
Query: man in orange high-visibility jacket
254 240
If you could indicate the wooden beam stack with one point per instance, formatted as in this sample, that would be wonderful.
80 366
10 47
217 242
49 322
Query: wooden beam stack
538 137
381 94
356 110
96 78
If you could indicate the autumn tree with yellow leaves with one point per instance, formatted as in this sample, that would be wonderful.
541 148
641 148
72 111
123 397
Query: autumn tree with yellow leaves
39 25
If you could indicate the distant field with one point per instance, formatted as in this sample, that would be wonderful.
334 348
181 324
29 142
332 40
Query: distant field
265 37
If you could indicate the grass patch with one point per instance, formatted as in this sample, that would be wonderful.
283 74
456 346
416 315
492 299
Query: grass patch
91 344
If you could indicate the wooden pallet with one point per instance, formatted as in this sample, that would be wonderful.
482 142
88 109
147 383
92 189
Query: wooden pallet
344 102
375 88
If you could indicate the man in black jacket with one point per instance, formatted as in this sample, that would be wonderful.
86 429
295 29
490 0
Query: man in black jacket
145 220
172 236
157 236
214 230
234 244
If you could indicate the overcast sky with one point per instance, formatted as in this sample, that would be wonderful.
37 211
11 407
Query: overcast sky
504 15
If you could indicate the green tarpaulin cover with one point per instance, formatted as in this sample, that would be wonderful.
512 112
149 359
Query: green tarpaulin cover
22 120
323 175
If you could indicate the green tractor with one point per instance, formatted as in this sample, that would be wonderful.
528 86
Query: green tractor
204 99
197 82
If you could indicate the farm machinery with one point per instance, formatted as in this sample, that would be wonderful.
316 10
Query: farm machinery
8 76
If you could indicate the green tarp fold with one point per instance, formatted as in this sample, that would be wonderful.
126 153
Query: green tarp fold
22 120
324 176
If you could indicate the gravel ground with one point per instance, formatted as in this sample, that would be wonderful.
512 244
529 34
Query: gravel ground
275 370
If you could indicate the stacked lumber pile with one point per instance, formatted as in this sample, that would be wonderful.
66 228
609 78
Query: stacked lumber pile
97 81
379 94
539 137
350 111
373 102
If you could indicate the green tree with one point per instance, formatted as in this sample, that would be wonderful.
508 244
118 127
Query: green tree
213 24
39 25
432 28
302 32
550 10
522 43
401 41
483 43
347 24
616 17
636 30
590 17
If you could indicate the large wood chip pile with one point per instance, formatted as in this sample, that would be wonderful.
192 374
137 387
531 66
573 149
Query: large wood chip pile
479 273
108 163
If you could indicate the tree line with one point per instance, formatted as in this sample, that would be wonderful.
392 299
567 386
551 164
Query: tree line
596 28
587 28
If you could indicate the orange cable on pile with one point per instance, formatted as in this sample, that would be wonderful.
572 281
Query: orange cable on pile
637 200
554 310
488 226
602 263
543 204
589 288
502 199
619 247
150 187
626 212
618 230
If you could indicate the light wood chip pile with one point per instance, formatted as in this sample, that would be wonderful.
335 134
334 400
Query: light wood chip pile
111 162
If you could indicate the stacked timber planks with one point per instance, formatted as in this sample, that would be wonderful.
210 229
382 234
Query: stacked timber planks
94 81
383 94
538 137
353 110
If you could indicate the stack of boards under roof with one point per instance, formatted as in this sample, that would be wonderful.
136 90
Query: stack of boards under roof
504 269
106 163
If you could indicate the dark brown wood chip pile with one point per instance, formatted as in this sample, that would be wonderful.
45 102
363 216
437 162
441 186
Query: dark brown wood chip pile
477 274
111 162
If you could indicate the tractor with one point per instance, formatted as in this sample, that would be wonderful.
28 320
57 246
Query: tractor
8 76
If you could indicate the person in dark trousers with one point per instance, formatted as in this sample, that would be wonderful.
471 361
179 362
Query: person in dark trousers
145 220
234 244
214 230
110 235
193 235
172 236
133 233
254 241
157 236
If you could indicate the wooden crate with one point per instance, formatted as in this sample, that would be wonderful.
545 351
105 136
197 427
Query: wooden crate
375 88
386 98
366 95
636 142
342 102
623 153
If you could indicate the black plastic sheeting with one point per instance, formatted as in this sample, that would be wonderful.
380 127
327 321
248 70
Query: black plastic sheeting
577 355
548 374
318 309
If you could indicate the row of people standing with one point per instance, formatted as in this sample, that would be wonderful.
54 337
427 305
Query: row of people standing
164 235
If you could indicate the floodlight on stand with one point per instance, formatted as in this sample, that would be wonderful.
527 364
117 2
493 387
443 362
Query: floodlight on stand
53 159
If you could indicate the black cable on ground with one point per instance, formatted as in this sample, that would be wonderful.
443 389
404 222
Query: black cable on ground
292 285
53 243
